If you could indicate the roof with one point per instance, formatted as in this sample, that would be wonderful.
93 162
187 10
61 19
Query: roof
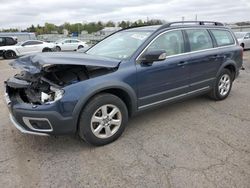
182 24
144 28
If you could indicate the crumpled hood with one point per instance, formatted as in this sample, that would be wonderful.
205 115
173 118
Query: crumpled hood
34 63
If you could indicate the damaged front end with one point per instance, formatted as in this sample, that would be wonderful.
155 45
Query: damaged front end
42 82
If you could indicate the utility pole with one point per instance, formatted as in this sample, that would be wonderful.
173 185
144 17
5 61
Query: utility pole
196 17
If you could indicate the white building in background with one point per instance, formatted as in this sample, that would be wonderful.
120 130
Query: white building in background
65 32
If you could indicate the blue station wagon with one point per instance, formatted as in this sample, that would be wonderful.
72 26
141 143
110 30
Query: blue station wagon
94 93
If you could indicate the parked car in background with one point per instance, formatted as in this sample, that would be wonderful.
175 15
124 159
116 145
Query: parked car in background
20 36
25 48
69 44
243 39
8 41
95 92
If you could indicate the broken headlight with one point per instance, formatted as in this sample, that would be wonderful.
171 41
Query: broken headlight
55 94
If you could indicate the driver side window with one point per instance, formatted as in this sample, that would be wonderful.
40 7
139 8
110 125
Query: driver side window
172 42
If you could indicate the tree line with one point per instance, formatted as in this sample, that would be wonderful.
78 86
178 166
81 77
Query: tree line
90 27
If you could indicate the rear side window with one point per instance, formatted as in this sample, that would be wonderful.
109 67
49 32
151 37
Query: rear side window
172 42
199 39
222 37
74 41
31 43
10 41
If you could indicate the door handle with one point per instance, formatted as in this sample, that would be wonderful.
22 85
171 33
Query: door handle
182 63
215 56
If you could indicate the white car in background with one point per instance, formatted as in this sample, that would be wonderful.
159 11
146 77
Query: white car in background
25 48
69 44
243 39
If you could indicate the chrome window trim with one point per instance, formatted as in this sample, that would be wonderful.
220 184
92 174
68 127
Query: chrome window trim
186 53
175 97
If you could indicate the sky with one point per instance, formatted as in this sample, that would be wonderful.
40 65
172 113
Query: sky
22 13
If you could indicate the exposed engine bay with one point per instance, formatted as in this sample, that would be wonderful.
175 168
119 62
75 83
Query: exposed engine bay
46 86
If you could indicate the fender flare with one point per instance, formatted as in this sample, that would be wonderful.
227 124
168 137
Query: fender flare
226 63
98 89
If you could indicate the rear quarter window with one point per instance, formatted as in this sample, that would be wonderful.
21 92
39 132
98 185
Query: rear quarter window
223 37
10 41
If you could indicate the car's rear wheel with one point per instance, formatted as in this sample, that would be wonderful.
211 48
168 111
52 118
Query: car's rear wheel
10 54
58 49
242 45
223 85
103 119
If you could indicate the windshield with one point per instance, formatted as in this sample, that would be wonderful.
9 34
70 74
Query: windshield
240 35
19 43
121 45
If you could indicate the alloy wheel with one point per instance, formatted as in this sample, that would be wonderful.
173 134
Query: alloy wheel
106 121
224 84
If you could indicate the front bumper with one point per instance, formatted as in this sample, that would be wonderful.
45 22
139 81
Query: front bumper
22 129
40 120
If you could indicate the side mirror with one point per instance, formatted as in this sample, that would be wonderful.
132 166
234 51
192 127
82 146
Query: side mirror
151 56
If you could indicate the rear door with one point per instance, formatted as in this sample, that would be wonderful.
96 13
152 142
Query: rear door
66 45
204 61
74 44
167 79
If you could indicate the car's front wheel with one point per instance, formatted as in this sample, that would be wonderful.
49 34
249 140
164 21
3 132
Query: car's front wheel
103 119
223 85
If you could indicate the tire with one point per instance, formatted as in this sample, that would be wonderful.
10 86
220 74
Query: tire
222 86
95 126
79 47
46 50
10 54
58 49
242 45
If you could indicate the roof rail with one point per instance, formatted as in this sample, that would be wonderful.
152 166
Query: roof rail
191 22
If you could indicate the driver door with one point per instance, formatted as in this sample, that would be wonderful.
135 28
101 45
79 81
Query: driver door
164 80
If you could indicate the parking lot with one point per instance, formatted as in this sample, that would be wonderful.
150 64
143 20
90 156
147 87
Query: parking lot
195 143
